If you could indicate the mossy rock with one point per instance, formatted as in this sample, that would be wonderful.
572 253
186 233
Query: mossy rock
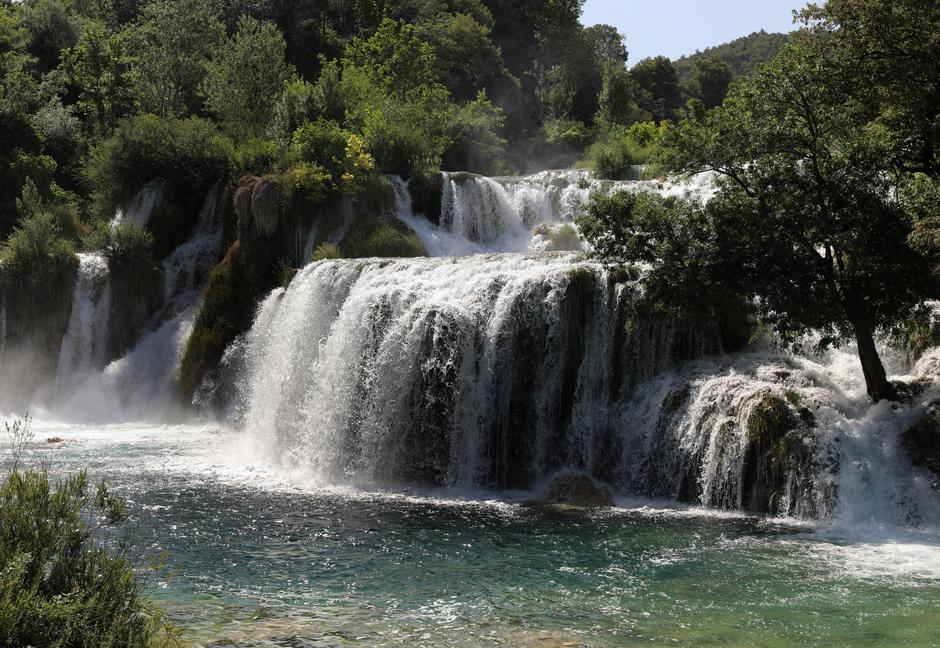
231 297
426 195
579 490
774 441
922 441
373 235
136 295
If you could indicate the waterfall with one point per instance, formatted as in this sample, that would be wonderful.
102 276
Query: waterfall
141 206
188 264
533 213
144 384
499 371
85 342
3 325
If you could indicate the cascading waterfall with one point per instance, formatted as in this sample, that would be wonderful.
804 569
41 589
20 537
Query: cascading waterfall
3 325
519 214
141 207
499 371
191 261
85 342
144 384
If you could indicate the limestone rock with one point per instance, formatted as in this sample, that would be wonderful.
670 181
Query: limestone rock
578 489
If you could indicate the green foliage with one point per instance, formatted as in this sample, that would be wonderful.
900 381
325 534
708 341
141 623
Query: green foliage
245 76
60 583
712 78
189 152
326 251
254 156
889 51
340 153
306 181
742 55
476 144
395 59
128 249
657 88
173 43
36 257
100 68
380 236
615 153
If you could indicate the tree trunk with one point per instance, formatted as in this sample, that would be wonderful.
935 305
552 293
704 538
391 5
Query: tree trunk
876 381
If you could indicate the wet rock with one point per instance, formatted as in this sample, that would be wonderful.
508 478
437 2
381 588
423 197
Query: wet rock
922 441
55 440
266 206
578 490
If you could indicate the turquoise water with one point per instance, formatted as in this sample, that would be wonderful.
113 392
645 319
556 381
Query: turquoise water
259 558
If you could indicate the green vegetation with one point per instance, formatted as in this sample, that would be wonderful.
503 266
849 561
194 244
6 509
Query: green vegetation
615 153
823 214
379 236
187 152
62 581
742 56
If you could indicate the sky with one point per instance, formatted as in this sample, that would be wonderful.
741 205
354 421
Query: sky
677 27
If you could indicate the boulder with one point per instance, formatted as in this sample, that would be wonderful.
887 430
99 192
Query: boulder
578 489
922 442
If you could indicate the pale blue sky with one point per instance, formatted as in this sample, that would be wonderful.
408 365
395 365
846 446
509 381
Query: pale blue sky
677 27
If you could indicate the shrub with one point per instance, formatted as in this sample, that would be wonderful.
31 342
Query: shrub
254 156
339 152
326 251
618 150
307 181
380 236
60 585
128 249
190 152
35 258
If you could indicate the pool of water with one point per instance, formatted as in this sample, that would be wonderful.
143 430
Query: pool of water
261 558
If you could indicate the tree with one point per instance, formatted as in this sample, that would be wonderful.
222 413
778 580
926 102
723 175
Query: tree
174 42
890 48
809 203
712 78
657 87
245 77
394 58
100 68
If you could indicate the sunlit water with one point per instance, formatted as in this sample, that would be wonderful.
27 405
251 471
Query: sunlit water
257 557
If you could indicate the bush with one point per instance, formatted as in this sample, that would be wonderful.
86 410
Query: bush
380 236
254 156
35 258
306 181
617 151
128 249
59 585
326 251
341 153
189 152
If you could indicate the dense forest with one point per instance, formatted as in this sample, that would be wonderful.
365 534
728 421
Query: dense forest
742 55
97 96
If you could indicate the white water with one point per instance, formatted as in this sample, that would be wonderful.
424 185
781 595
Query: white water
144 384
141 206
190 263
498 371
518 214
84 346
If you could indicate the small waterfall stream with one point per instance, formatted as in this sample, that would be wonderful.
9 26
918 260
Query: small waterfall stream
85 342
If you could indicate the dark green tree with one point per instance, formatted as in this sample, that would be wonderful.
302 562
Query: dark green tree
246 76
173 43
712 79
657 88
